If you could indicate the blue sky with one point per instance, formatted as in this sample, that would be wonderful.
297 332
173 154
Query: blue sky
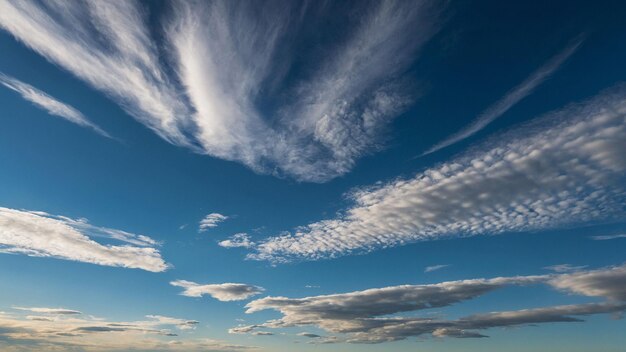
336 176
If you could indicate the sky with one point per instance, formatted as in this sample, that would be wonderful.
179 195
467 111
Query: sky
312 176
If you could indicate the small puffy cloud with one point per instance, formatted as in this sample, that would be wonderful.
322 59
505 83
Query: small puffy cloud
237 240
432 268
210 221
39 234
222 292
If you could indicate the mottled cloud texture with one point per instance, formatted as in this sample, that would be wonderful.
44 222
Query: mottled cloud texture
564 169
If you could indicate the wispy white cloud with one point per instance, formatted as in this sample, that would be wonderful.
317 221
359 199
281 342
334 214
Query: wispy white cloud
608 237
48 103
237 240
432 268
564 268
221 292
54 311
375 315
40 234
222 59
210 221
107 45
567 168
511 98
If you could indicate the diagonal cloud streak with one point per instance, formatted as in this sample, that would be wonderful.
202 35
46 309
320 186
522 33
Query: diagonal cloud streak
50 104
513 97
567 168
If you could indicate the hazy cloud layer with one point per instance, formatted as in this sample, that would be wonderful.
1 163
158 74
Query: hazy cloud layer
202 86
65 332
222 292
374 315
48 103
567 168
511 98
39 234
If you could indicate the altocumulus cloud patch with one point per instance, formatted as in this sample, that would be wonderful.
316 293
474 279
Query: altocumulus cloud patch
564 169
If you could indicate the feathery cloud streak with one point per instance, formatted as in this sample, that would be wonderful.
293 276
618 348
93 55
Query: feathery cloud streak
222 58
50 104
39 234
564 169
511 98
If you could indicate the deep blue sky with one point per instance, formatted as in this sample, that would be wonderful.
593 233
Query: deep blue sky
273 106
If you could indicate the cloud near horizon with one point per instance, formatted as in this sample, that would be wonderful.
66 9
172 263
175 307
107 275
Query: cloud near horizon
563 169
201 86
375 315
66 332
39 234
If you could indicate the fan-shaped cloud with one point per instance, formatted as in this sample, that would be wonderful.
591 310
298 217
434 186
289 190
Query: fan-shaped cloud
211 85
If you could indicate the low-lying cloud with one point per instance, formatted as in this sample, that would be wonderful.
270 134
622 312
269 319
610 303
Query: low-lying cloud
375 315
